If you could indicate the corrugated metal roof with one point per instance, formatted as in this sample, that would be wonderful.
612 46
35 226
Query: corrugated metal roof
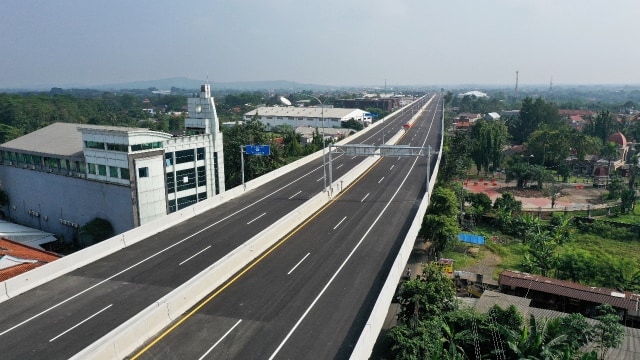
59 139
306 112
569 289
628 350
490 298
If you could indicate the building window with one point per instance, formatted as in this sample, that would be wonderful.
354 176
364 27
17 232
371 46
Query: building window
118 147
102 170
171 183
124 173
202 176
186 179
168 158
94 145
183 202
113 171
172 206
92 168
143 172
200 153
147 146
184 156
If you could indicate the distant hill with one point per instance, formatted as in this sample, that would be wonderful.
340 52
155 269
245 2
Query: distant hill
186 83
182 83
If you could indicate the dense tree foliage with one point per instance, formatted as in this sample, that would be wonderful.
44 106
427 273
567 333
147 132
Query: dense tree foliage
488 140
533 114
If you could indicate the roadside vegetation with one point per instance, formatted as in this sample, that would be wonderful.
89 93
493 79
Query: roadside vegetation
596 251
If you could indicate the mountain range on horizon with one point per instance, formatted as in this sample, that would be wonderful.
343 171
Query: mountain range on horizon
189 84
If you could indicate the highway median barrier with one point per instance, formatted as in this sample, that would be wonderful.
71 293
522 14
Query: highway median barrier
132 334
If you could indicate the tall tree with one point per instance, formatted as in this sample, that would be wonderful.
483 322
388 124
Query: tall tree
532 115
608 333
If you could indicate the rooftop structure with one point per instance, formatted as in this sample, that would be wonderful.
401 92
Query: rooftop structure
306 116
16 258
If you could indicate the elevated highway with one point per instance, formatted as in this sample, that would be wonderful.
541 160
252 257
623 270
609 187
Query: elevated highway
67 314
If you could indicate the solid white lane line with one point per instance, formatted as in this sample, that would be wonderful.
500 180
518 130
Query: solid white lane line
379 181
153 255
299 262
194 255
81 322
343 219
364 197
263 214
218 342
294 195
344 263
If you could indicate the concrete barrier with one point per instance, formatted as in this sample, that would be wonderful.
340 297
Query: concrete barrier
132 334
369 334
27 281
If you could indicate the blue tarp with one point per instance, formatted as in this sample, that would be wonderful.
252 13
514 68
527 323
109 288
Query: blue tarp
473 239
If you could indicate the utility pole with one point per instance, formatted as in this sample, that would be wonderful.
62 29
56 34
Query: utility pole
516 85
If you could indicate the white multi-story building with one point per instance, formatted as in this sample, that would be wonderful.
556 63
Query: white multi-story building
62 176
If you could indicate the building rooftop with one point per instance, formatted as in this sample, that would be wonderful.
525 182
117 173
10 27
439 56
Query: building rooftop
628 350
307 112
598 295
60 139
16 258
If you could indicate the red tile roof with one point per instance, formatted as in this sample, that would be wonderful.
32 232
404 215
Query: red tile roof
569 289
17 250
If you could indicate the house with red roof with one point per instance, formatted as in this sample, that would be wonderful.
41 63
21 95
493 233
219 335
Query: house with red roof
16 258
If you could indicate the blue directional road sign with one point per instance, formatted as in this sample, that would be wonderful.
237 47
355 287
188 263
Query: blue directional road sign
257 150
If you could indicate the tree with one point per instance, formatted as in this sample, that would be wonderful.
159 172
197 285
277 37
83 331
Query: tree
608 332
609 152
427 296
533 343
532 115
95 231
540 256
489 137
455 158
352 124
508 202
628 200
602 127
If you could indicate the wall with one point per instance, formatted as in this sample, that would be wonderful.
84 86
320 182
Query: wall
64 197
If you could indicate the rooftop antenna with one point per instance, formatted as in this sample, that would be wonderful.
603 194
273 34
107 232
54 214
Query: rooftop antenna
516 85
385 85
551 84
207 77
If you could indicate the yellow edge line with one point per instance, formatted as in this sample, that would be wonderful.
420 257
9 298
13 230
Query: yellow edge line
250 266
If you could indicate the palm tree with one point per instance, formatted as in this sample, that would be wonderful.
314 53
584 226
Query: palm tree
610 151
533 343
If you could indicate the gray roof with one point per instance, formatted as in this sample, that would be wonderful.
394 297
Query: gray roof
59 139
490 298
292 111
628 350
24 235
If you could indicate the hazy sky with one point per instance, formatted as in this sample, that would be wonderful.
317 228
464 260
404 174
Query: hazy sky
332 42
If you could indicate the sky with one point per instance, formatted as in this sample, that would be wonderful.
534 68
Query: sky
328 42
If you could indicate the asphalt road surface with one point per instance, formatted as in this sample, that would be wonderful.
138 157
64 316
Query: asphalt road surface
311 295
62 317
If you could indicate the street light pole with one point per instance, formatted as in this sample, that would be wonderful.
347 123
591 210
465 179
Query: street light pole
286 101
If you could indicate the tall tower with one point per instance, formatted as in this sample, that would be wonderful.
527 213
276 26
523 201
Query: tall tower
516 95
203 121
